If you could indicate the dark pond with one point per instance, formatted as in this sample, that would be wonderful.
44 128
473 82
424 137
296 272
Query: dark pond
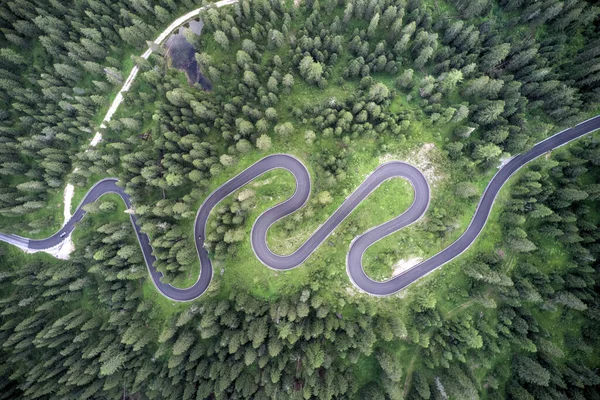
182 53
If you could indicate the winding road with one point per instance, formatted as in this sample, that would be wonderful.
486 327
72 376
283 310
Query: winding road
303 188
358 246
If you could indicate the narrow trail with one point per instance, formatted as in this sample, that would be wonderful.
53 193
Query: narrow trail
409 372
466 304
449 314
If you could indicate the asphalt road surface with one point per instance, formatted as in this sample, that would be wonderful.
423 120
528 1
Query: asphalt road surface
303 188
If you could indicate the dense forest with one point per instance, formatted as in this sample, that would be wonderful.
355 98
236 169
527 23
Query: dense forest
342 85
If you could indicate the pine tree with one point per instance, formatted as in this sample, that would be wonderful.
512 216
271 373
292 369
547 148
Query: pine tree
494 57
263 143
373 25
310 70
423 57
530 371
489 111
389 365
285 129
221 38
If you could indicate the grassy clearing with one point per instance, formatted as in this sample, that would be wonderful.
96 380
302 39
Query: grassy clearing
365 370
392 198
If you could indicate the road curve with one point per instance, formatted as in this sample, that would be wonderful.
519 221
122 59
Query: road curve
303 188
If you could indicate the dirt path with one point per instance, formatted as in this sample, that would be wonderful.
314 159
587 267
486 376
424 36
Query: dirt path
449 314
409 372
464 305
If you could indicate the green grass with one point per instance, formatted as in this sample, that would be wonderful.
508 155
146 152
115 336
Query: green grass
388 201
102 217
163 306
271 188
14 257
365 370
